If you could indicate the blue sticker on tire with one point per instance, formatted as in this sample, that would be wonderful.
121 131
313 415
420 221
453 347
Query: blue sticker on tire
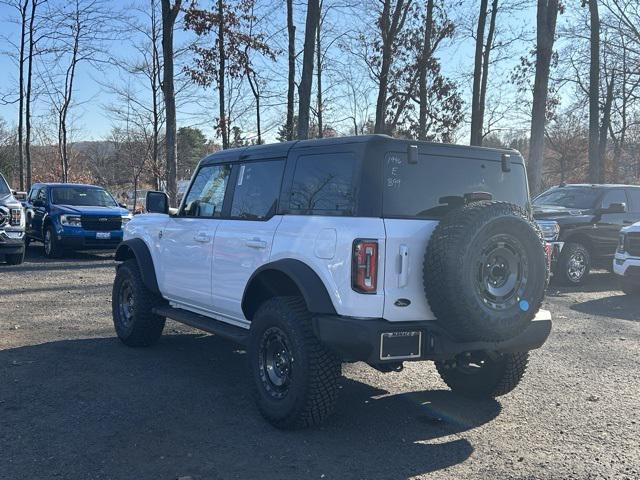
524 305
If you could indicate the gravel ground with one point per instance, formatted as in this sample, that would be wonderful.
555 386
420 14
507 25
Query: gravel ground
75 403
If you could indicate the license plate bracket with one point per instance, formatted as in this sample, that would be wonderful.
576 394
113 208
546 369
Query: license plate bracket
401 345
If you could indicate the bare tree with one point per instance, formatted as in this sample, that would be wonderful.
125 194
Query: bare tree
169 15
34 38
423 66
594 94
291 70
547 14
306 81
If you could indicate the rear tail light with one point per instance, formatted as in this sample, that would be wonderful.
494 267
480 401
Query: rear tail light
16 217
364 266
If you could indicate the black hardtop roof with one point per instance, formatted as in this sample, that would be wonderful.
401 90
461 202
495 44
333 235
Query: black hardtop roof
282 149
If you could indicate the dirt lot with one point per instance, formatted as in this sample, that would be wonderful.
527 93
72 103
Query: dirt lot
75 403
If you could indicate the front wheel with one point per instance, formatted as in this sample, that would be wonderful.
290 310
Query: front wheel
14 258
483 375
294 375
573 265
132 306
52 247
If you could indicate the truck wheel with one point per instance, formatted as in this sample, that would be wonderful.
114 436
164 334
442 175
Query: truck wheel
132 308
52 248
295 377
485 271
629 287
14 258
479 375
573 265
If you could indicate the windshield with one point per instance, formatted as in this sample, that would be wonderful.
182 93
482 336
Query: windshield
569 197
82 197
4 188
434 185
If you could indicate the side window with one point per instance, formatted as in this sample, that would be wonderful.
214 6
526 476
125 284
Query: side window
42 195
634 197
206 195
257 190
614 196
324 183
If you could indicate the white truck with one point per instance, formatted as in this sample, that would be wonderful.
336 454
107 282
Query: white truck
368 248
626 263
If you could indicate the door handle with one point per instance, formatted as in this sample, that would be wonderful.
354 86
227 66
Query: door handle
256 243
403 278
202 237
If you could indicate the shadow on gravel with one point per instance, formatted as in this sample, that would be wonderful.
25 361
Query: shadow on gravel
622 307
35 261
598 281
94 408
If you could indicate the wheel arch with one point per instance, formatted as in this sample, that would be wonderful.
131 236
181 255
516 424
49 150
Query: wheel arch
138 250
583 239
287 277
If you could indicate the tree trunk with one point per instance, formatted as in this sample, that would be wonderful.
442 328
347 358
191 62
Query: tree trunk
476 122
594 94
306 81
423 67
23 29
604 128
319 73
547 14
485 67
169 15
155 80
291 80
27 141
224 121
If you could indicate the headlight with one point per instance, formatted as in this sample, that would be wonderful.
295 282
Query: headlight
550 229
71 220
126 219
621 246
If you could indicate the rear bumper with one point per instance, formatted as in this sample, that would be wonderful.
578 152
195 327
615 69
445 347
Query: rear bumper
360 339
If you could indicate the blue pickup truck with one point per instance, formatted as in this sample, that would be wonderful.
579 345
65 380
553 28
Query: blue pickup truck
73 216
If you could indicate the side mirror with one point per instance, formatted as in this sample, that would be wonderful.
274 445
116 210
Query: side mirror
123 205
157 202
615 208
19 195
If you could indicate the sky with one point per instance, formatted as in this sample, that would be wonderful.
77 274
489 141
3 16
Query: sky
91 120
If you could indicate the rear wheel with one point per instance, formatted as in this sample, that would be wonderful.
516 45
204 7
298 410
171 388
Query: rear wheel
132 308
295 377
573 265
483 375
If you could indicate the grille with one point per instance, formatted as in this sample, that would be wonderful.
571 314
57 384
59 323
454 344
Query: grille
633 244
101 224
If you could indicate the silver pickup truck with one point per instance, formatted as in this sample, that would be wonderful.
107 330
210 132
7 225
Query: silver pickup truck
12 223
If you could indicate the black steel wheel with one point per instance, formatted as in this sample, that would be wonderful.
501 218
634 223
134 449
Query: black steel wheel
295 377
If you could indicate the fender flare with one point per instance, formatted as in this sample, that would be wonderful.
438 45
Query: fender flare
307 281
136 248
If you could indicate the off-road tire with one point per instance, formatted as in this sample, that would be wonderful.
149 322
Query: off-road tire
629 287
561 272
143 328
498 377
454 264
55 249
312 386
14 258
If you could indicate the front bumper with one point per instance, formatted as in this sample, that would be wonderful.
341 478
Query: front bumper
11 242
80 239
627 266
361 339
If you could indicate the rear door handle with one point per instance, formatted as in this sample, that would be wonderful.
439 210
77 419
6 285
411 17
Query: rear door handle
403 278
256 243
202 237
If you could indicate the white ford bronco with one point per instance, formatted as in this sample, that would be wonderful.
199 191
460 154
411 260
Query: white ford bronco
626 263
368 248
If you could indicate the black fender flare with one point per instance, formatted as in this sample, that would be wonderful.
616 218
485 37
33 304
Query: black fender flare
307 281
136 248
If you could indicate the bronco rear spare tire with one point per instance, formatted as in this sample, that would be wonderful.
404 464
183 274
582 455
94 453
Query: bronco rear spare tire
485 271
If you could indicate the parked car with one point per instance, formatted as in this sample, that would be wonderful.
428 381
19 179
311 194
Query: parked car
583 224
626 263
12 222
367 248
73 216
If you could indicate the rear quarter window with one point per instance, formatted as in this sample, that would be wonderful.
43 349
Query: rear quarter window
419 190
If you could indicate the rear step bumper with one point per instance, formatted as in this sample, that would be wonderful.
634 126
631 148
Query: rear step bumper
378 341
